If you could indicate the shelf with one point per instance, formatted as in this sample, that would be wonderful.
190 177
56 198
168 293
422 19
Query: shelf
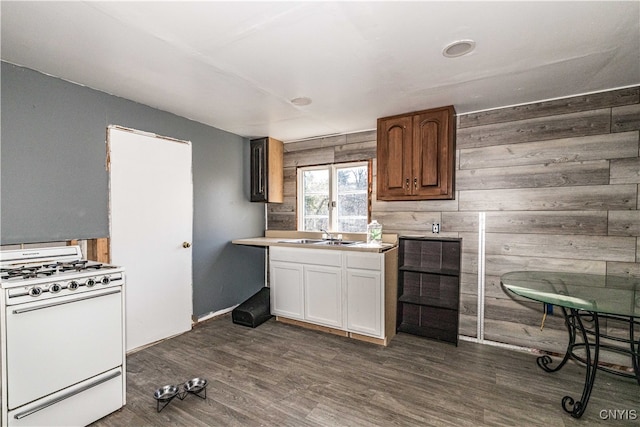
439 334
429 302
428 270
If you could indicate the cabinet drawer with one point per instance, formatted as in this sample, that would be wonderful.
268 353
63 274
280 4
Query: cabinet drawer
306 256
364 261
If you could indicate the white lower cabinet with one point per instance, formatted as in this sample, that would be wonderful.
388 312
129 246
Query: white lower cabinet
306 284
323 295
286 290
365 291
364 302
344 290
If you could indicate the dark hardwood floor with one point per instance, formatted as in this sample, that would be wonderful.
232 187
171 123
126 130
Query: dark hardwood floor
283 375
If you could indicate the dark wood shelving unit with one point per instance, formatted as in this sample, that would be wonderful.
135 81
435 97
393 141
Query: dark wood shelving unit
429 287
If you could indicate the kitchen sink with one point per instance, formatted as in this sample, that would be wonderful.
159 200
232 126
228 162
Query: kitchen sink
336 242
301 241
319 242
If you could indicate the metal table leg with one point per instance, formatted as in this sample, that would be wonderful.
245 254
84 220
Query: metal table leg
634 350
576 409
545 361
574 321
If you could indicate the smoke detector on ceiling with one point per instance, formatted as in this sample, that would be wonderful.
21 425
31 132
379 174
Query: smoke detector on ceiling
459 48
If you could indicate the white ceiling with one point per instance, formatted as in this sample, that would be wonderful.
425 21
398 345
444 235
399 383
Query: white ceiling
236 65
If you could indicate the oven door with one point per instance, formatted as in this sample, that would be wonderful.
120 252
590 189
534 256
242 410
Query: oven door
58 342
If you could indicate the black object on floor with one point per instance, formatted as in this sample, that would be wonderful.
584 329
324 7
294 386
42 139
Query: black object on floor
254 311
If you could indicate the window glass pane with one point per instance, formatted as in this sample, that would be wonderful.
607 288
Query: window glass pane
315 224
352 198
352 225
353 179
316 199
316 181
352 205
316 205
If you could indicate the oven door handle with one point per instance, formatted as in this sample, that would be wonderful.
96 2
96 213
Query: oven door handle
54 304
65 396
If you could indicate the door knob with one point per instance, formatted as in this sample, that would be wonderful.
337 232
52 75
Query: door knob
186 245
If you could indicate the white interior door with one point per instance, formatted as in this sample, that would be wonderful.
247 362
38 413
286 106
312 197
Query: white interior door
151 204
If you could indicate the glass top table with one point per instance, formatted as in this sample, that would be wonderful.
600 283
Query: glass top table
585 299
604 294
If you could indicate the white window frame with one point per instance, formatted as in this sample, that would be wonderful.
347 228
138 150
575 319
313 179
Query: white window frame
333 192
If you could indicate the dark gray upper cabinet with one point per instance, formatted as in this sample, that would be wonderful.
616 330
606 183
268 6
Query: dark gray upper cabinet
267 183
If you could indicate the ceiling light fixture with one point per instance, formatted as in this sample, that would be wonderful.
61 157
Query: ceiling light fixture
301 102
458 48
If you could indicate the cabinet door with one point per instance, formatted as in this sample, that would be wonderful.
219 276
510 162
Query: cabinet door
323 295
433 154
394 178
364 302
267 179
259 170
287 298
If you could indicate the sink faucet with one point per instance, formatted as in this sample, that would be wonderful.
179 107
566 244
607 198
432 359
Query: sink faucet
329 235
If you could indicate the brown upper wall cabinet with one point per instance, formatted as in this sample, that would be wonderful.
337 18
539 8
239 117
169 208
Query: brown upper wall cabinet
416 155
267 184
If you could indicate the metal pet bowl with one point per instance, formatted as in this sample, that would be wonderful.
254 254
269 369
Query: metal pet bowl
165 393
195 385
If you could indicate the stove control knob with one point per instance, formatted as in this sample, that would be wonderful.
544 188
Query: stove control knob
90 283
35 291
55 288
73 285
106 280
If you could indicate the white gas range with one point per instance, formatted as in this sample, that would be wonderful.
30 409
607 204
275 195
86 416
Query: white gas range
62 335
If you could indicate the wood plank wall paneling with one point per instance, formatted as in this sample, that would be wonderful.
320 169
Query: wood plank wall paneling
542 222
595 197
579 149
625 171
546 175
621 97
558 182
625 118
539 129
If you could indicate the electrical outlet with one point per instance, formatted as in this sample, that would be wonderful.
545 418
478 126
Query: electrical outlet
435 228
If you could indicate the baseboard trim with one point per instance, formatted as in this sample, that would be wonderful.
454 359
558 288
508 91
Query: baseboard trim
196 320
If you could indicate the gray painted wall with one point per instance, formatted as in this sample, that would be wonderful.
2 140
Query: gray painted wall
54 183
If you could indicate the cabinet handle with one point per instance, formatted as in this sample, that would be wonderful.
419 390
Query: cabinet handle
415 183
407 183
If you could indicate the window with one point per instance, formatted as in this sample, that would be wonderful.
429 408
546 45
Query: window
334 197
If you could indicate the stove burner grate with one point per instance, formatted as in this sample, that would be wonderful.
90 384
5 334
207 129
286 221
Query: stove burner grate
78 265
44 270
26 272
